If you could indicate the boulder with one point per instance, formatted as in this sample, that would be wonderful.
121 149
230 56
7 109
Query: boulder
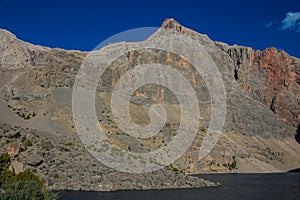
16 167
34 160
13 149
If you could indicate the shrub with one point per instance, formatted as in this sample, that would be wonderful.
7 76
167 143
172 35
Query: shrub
26 176
23 139
25 186
175 169
5 176
69 144
28 143
56 175
232 165
4 159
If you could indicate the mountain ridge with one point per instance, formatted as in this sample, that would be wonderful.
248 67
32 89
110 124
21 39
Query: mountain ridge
263 112
169 23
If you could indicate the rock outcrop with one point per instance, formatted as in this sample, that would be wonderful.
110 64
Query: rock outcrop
13 149
271 77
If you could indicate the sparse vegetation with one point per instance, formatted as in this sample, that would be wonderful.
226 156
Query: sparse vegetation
23 139
56 175
175 169
4 160
231 165
69 144
28 143
45 148
24 185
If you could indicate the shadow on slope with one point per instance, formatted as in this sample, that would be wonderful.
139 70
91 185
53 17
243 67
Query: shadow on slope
295 170
297 136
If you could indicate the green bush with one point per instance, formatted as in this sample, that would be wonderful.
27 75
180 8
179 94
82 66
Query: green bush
5 176
9 136
28 143
175 169
231 166
25 185
56 175
4 159
26 176
29 190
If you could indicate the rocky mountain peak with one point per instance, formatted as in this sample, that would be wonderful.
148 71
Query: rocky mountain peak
262 94
171 23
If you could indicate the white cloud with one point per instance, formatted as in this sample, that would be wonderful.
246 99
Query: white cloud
268 25
291 22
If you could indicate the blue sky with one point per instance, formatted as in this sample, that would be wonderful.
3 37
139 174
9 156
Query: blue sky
84 24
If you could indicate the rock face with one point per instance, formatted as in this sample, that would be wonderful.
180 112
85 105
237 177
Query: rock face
271 77
18 55
263 112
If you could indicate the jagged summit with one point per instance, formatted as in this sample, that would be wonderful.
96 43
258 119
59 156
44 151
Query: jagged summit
7 37
170 23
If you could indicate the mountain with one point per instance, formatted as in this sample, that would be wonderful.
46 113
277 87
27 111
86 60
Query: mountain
38 131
